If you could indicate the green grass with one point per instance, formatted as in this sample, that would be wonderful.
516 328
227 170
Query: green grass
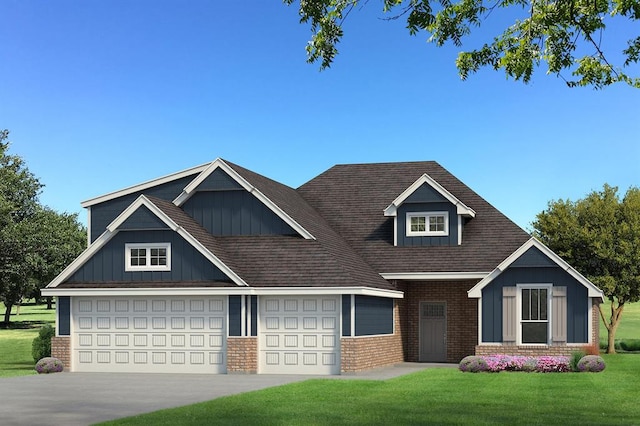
15 342
433 396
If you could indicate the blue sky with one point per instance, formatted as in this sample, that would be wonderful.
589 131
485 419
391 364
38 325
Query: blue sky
100 95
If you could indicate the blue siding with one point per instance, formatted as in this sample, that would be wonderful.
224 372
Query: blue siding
577 300
64 315
104 213
346 315
234 213
533 258
143 218
254 315
219 180
374 315
449 240
235 316
426 194
108 264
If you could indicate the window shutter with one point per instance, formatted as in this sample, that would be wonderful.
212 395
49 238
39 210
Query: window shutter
509 323
559 315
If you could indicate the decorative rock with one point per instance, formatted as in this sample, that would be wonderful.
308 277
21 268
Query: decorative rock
49 365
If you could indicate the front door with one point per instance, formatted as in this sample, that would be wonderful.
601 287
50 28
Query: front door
433 332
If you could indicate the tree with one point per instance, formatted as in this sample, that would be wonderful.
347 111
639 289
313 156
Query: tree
569 35
35 241
600 236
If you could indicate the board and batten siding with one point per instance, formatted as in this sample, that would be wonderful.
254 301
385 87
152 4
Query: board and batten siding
103 214
226 213
449 240
108 264
531 268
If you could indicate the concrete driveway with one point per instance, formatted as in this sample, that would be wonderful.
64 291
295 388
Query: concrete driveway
86 398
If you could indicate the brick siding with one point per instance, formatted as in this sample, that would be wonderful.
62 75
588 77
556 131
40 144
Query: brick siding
61 349
242 355
461 311
366 352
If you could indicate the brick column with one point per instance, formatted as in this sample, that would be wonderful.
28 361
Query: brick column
61 349
242 355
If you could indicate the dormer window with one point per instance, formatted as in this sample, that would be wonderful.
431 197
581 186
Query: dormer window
148 257
421 224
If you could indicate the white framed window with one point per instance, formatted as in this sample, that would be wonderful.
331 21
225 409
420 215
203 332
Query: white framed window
534 313
148 257
421 224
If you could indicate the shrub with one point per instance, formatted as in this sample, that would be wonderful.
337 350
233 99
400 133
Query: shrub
591 363
576 356
630 345
473 364
592 349
553 364
41 346
49 365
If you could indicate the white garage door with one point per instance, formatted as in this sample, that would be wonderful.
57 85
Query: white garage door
299 335
157 334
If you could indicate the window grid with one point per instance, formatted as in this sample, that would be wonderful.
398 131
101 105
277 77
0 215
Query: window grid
148 257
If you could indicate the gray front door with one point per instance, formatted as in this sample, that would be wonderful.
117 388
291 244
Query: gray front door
433 332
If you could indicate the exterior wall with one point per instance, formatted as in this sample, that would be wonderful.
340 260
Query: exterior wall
61 349
104 213
449 240
595 322
462 316
366 352
187 264
242 355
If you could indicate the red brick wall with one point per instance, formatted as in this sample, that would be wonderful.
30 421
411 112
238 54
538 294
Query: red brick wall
462 316
363 353
242 355
595 321
61 349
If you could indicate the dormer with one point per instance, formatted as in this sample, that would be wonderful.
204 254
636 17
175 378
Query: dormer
426 214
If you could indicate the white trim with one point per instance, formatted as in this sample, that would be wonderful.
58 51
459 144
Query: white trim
460 230
593 291
88 226
461 208
352 316
128 267
189 190
112 229
433 276
526 286
395 231
590 322
480 321
427 216
231 291
144 185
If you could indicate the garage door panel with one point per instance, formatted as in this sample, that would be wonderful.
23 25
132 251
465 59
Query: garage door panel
133 335
299 335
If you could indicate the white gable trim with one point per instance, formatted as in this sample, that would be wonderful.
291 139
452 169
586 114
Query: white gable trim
433 276
189 190
143 186
461 208
593 291
112 230
202 291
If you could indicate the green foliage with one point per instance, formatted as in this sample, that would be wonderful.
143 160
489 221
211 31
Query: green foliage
567 35
41 346
600 236
36 243
575 358
630 345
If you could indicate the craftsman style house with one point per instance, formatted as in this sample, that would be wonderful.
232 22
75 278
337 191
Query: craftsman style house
217 269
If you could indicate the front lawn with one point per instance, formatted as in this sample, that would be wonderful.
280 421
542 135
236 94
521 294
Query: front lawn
629 324
15 342
433 396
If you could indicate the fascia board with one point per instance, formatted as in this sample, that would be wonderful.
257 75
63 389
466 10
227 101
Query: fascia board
592 289
431 276
219 163
143 186
461 208
232 291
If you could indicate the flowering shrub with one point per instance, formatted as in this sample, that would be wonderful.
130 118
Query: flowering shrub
496 363
592 363
49 365
473 364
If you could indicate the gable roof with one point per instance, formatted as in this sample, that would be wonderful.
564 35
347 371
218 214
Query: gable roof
461 208
352 197
174 219
593 291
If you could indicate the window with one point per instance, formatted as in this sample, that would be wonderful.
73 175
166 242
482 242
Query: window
534 315
148 257
427 224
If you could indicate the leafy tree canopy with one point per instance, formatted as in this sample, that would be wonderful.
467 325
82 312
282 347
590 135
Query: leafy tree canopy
600 236
566 34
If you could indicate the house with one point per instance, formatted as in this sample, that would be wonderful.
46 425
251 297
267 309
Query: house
217 269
